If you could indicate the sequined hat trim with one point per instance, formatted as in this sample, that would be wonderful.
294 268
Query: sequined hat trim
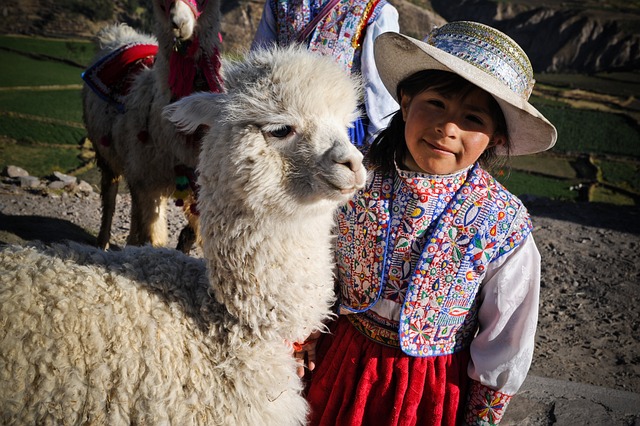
489 50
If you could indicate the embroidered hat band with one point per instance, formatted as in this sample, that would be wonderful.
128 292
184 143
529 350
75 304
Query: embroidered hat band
488 49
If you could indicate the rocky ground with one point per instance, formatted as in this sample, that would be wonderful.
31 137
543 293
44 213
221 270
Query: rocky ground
589 329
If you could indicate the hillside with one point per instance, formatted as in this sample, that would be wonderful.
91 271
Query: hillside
585 36
597 114
570 36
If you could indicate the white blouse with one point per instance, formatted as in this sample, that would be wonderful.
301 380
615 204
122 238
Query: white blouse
502 351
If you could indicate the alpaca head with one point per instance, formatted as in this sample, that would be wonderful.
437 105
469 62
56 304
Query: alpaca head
177 17
179 20
188 59
275 162
277 137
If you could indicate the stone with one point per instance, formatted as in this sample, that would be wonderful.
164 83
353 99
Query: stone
56 185
85 187
14 172
581 412
68 180
29 182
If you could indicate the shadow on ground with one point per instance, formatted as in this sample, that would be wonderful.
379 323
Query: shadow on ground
596 215
19 229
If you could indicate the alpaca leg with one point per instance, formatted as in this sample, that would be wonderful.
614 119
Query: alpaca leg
109 182
158 229
189 236
148 218
187 239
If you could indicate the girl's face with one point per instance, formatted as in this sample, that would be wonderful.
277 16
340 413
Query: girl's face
447 133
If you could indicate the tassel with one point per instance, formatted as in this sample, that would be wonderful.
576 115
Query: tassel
211 67
182 71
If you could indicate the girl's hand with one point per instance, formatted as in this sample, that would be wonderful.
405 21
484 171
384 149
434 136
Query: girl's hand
306 350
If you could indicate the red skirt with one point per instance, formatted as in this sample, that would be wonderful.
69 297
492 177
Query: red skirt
361 382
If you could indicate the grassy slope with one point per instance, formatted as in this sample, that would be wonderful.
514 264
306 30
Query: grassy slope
40 106
597 118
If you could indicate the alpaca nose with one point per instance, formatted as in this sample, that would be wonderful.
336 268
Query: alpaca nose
182 20
350 157
353 163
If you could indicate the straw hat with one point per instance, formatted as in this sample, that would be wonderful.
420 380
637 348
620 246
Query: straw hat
482 55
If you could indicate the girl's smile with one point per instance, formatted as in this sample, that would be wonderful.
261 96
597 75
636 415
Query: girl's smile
446 133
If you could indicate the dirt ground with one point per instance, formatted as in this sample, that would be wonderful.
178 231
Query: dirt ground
589 327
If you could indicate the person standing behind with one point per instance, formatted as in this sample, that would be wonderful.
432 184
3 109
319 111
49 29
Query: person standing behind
438 270
345 30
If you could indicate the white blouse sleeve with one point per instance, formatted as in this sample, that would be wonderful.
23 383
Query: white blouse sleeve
266 32
501 353
378 102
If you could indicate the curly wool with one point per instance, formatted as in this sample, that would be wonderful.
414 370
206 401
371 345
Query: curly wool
130 337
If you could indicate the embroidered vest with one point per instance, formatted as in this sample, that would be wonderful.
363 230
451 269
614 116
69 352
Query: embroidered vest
439 314
339 34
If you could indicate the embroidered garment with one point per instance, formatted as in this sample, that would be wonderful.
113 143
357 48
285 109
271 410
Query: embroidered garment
379 104
394 240
485 406
361 383
457 235
339 34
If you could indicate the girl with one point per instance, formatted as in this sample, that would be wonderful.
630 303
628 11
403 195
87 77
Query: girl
435 259
345 30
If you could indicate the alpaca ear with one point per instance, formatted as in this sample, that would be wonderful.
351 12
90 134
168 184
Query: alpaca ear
194 111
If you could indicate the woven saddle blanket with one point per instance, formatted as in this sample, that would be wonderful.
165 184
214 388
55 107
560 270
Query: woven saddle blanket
111 76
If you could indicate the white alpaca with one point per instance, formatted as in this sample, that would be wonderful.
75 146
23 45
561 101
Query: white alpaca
133 140
152 336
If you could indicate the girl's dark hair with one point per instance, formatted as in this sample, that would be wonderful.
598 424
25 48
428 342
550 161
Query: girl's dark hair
390 143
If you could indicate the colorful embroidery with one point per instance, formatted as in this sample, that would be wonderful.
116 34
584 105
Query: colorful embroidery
450 240
338 35
376 328
363 237
489 50
486 406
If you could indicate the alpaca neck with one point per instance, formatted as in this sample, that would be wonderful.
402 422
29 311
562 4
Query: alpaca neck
273 275
194 65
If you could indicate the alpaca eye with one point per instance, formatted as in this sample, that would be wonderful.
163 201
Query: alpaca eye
281 132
